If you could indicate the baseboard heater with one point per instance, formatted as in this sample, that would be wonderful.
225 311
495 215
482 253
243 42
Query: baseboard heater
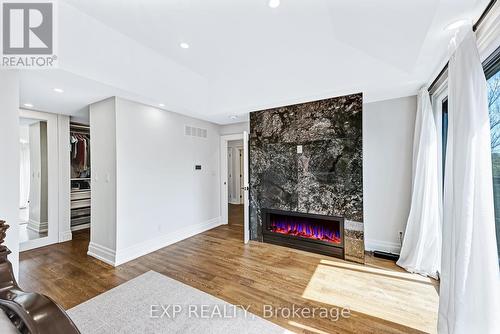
385 255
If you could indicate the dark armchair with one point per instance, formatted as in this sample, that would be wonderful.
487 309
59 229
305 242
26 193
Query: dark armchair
28 312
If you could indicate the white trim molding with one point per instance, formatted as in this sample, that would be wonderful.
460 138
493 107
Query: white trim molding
102 253
80 227
224 196
36 226
130 253
380 245
65 236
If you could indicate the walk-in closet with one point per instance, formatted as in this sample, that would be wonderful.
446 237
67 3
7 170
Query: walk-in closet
80 176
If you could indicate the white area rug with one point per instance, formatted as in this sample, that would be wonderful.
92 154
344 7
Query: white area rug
154 303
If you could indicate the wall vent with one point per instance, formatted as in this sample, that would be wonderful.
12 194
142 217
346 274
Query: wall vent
195 132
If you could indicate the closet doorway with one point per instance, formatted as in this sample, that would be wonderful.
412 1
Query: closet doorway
234 182
38 180
80 176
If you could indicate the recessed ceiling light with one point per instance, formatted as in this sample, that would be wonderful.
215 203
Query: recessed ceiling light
28 105
161 105
233 117
184 45
58 90
274 3
457 24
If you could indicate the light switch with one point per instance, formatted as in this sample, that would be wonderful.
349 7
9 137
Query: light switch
299 149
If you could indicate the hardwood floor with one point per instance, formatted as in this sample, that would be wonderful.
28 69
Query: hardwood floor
235 216
382 298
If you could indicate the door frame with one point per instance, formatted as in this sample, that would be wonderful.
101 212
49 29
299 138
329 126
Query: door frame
52 179
224 196
241 179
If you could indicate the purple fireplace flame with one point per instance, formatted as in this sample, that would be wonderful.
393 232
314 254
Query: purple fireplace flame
309 228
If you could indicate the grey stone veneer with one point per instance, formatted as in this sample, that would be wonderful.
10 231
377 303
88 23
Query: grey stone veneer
326 178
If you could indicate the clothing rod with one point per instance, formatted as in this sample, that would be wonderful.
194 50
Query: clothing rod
475 27
79 132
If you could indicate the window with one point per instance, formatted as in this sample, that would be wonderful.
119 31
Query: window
493 77
444 133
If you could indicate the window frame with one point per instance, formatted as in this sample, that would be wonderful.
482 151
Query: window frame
437 100
492 64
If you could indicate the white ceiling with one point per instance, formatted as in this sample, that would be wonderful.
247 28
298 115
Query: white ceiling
243 55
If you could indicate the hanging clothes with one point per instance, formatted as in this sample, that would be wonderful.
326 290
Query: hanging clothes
80 155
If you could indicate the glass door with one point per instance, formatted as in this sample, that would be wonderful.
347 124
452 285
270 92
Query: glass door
494 110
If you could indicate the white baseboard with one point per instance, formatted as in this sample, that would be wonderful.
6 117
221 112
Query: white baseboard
380 245
36 226
65 236
80 227
102 253
151 245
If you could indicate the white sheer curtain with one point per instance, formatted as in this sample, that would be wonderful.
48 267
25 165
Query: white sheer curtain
24 179
470 278
421 250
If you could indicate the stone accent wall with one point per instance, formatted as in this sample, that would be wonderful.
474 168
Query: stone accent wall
326 178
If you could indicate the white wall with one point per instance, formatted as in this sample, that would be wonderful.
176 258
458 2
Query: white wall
148 194
160 195
9 168
103 161
24 133
387 164
230 129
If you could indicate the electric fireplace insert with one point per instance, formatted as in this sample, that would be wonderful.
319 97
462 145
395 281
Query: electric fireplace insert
309 232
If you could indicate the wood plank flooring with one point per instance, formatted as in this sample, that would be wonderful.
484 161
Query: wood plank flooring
382 298
235 216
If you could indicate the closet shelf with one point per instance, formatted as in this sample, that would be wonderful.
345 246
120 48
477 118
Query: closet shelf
81 179
78 126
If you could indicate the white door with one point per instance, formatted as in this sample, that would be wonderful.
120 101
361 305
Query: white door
246 224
